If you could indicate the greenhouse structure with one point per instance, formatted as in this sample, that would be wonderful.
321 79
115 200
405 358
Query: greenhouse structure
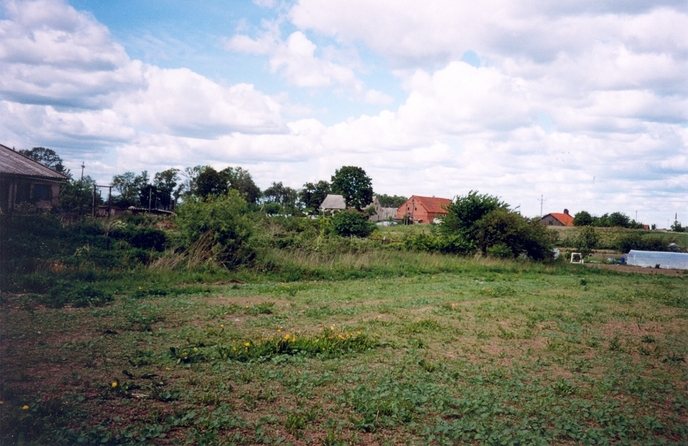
656 259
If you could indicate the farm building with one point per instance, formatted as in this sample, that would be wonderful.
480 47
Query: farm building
333 203
23 180
382 214
655 259
557 219
423 209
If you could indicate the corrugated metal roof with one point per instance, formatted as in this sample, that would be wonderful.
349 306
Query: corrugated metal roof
13 163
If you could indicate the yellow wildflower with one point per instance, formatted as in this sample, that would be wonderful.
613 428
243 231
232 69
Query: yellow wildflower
293 339
247 344
195 348
279 330
114 384
358 332
167 368
222 325
25 407
341 337
286 337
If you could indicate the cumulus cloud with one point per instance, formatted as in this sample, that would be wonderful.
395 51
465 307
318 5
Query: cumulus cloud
585 103
295 59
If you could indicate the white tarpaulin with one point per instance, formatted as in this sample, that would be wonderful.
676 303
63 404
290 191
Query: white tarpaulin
676 260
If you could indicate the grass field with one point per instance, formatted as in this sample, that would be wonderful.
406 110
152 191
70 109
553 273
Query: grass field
488 352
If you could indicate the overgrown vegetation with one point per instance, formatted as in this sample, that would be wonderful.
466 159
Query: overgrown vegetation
225 326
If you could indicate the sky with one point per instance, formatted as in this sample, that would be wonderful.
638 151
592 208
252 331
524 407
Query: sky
548 105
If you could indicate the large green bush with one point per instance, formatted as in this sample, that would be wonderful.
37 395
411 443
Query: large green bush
221 224
348 223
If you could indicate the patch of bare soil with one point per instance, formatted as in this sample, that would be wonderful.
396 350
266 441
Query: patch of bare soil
639 269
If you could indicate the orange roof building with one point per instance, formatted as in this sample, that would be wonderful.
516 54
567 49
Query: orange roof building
423 209
557 219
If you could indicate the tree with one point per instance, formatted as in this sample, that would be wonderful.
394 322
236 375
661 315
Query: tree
282 195
129 188
618 219
582 218
390 201
587 240
165 183
218 225
240 180
676 227
312 195
210 182
465 212
77 196
47 157
507 234
347 223
354 185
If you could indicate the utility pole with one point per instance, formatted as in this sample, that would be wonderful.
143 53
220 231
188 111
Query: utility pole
82 170
542 201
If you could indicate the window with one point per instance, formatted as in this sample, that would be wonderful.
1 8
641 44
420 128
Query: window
42 192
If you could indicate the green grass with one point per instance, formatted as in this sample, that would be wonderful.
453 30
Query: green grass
441 351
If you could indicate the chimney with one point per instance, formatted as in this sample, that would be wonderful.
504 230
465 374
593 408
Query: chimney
566 211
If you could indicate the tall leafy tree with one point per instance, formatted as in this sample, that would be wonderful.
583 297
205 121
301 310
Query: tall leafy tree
466 210
129 187
210 182
283 195
390 201
313 194
240 180
583 218
354 185
165 183
47 157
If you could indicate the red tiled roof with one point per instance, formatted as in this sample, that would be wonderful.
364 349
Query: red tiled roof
565 219
432 204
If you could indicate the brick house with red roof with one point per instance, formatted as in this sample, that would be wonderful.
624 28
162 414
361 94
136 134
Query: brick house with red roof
423 209
557 219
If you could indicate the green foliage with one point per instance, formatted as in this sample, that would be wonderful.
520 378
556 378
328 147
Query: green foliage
285 197
47 157
76 294
587 241
223 221
348 223
641 242
465 211
484 222
506 234
76 196
128 187
313 194
390 201
676 227
141 237
354 185
583 218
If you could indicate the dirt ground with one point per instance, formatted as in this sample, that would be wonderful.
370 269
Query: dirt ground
639 269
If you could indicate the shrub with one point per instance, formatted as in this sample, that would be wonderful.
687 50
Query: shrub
587 240
624 243
505 234
348 223
222 222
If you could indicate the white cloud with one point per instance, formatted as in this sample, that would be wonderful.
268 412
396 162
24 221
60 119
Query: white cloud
377 97
295 60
